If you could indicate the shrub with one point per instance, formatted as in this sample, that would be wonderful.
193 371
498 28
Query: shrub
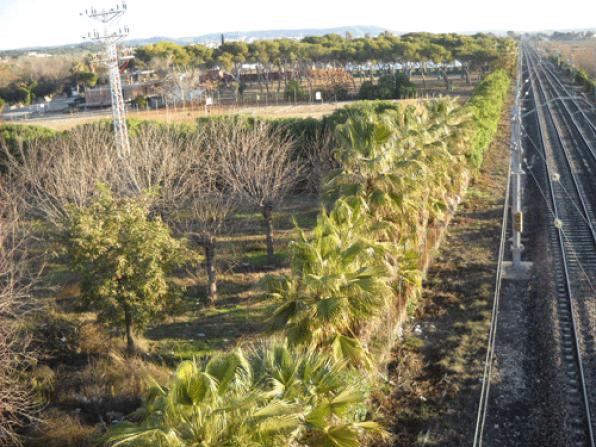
334 286
12 135
394 86
124 259
486 106
337 92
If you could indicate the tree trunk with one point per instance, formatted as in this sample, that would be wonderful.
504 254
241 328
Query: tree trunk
467 74
268 216
445 76
209 247
260 80
130 342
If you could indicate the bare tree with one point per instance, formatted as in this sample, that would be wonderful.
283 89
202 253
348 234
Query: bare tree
203 201
257 162
184 169
18 403
208 211
163 159
319 159
182 85
48 176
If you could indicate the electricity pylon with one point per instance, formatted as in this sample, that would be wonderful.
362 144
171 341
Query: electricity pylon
110 37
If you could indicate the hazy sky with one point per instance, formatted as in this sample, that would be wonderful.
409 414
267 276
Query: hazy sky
50 22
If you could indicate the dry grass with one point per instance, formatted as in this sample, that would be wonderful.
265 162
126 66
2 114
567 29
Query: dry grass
581 53
62 429
189 115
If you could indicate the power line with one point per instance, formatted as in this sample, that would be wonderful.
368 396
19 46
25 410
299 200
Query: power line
110 36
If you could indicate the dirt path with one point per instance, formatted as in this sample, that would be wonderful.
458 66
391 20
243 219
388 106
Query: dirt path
436 371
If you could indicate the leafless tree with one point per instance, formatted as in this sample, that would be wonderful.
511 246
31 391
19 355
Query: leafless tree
257 161
18 403
163 160
50 175
181 85
184 169
319 159
212 201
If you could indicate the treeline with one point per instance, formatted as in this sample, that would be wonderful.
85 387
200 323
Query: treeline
479 52
399 177
572 35
26 78
277 61
474 52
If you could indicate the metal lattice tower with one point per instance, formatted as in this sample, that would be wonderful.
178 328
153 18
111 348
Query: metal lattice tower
110 37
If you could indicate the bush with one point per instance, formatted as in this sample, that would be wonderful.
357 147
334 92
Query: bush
368 90
337 92
270 396
486 106
124 259
394 86
578 74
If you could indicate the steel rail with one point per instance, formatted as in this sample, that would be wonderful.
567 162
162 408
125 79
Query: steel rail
539 96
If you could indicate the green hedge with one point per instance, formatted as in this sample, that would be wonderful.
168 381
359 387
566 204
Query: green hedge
486 105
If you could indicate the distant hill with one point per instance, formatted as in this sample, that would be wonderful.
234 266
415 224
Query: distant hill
248 36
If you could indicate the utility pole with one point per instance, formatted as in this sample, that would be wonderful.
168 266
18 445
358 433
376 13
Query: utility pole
517 269
516 172
110 37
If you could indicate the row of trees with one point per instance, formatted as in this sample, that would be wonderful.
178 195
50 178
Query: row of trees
399 173
477 52
276 61
26 78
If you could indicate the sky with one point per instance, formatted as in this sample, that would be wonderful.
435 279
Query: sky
29 23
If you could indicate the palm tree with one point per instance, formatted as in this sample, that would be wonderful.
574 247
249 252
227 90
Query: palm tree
272 396
405 165
339 280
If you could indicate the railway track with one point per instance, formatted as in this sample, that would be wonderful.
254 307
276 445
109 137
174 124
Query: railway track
566 145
